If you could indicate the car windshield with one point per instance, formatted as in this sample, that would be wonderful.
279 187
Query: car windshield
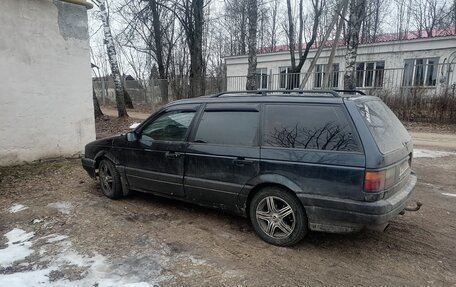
385 127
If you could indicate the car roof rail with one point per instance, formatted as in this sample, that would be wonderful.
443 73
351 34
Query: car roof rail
351 92
290 93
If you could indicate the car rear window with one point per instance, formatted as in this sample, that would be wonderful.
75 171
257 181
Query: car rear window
385 127
309 127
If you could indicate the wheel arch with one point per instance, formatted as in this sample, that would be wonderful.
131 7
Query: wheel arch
268 180
105 154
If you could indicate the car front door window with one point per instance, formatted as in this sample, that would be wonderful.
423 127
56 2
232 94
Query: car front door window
169 126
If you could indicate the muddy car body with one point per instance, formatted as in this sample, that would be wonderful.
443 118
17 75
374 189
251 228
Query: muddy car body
291 162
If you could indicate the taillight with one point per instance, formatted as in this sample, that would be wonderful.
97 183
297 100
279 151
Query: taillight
375 181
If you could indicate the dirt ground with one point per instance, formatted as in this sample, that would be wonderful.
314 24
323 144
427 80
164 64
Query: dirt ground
60 231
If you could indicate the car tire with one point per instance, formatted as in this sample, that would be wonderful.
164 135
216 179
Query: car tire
110 183
278 217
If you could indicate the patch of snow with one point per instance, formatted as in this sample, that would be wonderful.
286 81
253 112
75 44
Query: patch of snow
16 208
97 270
18 247
197 261
56 238
449 194
36 221
99 273
425 153
27 279
62 206
134 125
140 284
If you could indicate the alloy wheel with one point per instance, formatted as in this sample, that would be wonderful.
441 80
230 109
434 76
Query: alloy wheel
106 178
275 217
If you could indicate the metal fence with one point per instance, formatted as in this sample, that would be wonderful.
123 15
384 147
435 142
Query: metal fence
155 90
430 78
421 91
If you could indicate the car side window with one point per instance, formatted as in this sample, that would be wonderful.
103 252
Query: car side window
228 128
169 126
315 127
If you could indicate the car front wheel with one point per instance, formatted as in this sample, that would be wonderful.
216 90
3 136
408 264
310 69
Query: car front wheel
278 217
109 179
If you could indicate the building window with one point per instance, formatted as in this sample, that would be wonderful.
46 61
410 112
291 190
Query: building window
370 74
288 80
262 78
420 72
320 72
284 71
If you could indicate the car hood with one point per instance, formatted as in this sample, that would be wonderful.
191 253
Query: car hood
105 141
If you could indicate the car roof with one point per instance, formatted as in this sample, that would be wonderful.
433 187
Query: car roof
267 96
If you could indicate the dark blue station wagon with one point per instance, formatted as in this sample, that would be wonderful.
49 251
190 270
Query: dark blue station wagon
290 161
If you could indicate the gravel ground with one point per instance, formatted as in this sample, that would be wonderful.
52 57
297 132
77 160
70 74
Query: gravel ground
57 229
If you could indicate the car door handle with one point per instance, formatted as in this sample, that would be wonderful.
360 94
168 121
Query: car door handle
240 161
172 154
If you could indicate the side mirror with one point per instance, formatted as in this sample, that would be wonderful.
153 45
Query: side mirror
132 136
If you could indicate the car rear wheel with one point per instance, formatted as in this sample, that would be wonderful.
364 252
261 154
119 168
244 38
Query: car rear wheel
109 179
278 217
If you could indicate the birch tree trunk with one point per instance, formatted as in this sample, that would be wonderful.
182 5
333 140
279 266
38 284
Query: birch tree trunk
253 23
112 56
357 8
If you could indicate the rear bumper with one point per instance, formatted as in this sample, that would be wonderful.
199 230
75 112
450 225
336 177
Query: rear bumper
343 215
89 165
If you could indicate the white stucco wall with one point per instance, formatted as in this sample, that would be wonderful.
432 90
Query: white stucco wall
393 53
46 107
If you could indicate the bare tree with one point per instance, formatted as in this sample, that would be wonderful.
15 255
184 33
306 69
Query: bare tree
296 66
357 12
149 29
236 24
96 105
403 8
179 73
325 38
253 23
158 39
372 20
191 16
274 10
112 56
437 16
453 15
329 66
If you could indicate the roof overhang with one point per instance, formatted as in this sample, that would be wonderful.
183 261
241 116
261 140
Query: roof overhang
80 2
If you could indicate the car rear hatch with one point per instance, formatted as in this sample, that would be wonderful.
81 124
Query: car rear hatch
388 167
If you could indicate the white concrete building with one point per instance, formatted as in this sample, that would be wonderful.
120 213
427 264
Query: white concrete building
425 63
46 107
